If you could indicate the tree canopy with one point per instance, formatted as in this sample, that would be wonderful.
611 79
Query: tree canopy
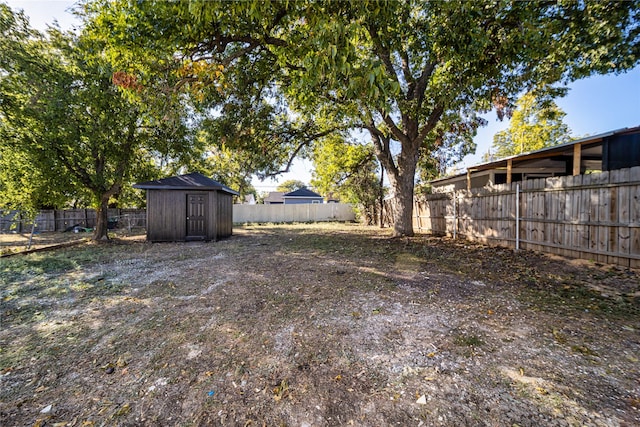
65 111
534 125
290 185
348 171
413 74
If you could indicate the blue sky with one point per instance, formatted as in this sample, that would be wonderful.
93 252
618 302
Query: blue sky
594 105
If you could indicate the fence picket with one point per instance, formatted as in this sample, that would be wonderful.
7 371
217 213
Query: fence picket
594 216
63 219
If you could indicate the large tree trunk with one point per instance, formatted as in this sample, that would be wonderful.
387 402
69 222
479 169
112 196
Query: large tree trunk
401 171
403 209
403 212
102 220
402 180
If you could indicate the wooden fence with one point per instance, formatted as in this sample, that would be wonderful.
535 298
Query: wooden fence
63 219
595 217
307 212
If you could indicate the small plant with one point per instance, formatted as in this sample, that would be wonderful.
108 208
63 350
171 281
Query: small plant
464 340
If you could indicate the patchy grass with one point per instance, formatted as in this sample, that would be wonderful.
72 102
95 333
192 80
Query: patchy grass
315 324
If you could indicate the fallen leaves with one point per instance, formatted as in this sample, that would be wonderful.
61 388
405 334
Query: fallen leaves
559 337
281 391
368 340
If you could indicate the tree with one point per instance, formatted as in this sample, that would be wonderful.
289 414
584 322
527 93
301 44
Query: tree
290 185
413 74
534 125
227 166
22 183
348 170
73 117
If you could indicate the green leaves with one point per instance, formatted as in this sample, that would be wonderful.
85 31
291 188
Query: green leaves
347 171
406 70
70 116
536 123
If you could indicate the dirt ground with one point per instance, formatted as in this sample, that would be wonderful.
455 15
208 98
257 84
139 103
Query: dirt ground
11 243
316 325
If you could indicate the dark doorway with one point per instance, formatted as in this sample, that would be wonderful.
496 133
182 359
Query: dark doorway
196 218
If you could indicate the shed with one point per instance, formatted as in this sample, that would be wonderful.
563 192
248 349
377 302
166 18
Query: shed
302 195
188 207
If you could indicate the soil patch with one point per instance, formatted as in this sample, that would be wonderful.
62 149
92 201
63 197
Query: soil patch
316 325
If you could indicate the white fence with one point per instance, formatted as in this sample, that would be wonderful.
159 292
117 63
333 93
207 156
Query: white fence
308 212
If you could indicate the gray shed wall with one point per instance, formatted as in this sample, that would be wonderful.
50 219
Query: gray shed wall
225 215
167 215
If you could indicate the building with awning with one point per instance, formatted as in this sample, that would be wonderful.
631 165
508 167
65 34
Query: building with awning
608 151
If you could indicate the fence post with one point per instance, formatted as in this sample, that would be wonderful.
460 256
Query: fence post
455 217
33 229
517 217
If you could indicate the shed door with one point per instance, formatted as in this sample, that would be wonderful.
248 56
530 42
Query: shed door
196 217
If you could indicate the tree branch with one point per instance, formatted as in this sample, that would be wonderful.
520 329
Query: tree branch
355 170
383 52
381 144
395 130
79 173
408 77
308 140
433 120
421 84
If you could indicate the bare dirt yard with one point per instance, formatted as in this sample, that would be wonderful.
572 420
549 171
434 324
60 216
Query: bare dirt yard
316 325
11 243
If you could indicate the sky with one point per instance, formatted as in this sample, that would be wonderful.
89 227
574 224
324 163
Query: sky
595 105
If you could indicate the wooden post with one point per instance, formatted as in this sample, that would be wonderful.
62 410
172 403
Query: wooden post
509 167
517 217
381 201
577 154
33 229
455 217
468 179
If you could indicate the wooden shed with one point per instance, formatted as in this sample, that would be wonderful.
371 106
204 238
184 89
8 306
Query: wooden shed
188 207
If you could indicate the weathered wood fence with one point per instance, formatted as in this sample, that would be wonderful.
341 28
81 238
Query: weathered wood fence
595 217
62 219
307 212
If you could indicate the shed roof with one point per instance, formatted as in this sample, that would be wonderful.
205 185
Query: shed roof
303 192
191 181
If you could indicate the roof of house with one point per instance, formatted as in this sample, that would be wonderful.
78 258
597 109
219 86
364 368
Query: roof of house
547 153
274 197
191 181
303 192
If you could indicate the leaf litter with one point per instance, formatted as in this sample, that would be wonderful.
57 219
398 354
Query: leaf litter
317 325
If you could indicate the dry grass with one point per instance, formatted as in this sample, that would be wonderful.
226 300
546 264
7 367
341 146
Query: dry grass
318 325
